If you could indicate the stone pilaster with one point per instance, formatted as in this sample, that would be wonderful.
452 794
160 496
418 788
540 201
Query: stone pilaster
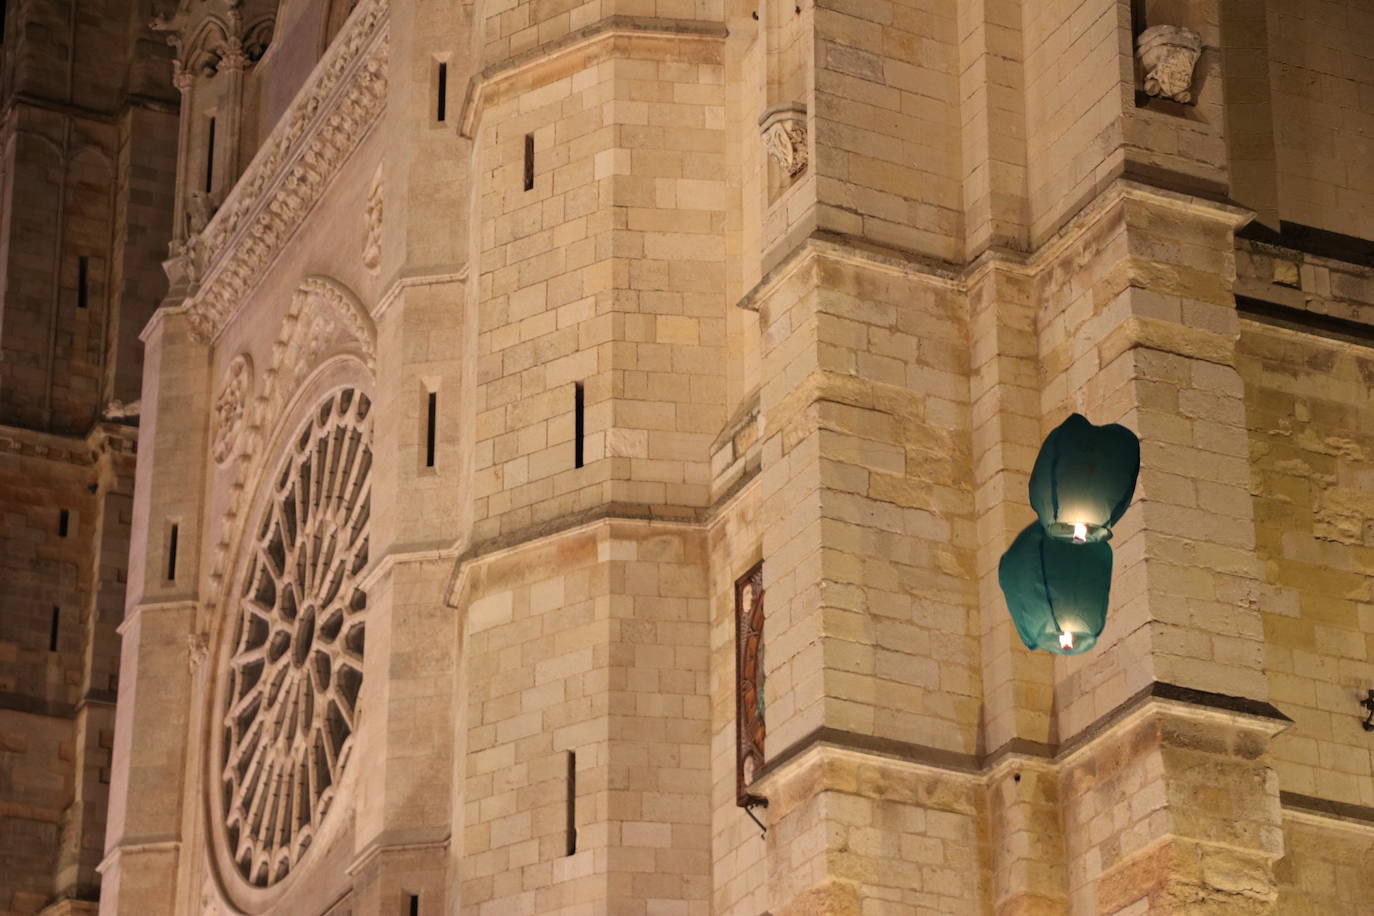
1174 808
149 780
871 629
1142 330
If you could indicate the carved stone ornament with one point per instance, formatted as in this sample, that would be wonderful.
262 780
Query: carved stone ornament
372 225
330 116
784 136
1168 53
230 404
197 649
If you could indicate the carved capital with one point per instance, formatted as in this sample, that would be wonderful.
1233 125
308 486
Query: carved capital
182 78
1168 54
784 136
233 58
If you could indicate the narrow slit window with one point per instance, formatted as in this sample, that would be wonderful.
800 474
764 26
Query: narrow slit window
52 632
413 900
64 519
210 158
529 162
431 416
83 282
441 108
572 802
579 422
172 554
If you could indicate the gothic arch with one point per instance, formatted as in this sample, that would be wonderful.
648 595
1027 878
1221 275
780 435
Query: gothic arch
203 50
257 36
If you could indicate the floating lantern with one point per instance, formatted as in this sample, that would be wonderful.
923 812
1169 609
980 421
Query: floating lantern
1056 590
1083 479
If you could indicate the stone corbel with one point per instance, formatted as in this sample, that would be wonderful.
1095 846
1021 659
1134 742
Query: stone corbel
783 128
1168 54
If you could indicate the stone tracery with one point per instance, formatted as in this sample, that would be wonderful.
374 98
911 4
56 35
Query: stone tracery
294 663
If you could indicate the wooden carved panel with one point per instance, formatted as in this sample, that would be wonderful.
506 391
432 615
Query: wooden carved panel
749 681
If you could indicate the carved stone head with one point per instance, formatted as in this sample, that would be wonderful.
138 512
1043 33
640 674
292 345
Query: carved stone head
1168 53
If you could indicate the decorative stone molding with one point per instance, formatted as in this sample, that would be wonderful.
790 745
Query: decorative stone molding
327 120
197 649
234 394
1168 53
320 309
372 225
784 136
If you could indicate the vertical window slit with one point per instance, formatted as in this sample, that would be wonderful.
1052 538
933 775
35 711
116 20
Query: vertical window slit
579 422
52 633
529 162
83 281
63 520
172 554
430 429
441 112
413 900
572 802
210 158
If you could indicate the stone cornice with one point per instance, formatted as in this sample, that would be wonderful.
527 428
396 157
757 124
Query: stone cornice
962 277
104 437
598 41
330 116
1154 699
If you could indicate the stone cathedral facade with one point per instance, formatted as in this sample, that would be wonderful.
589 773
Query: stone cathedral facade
576 441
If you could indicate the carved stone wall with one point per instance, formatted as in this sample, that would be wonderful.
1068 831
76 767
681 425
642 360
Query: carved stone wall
653 313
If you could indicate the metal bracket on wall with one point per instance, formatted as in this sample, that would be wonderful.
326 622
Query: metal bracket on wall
755 801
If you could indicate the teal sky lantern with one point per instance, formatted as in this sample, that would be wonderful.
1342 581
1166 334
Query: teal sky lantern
1056 590
1084 478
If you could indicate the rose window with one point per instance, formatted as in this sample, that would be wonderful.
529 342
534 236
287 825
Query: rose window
295 663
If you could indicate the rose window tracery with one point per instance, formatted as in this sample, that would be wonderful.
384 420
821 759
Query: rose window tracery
295 661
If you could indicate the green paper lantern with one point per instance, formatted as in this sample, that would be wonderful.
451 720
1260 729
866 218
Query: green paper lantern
1056 590
1084 478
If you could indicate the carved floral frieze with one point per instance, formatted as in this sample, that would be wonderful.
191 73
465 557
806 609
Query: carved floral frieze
328 119
1168 54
